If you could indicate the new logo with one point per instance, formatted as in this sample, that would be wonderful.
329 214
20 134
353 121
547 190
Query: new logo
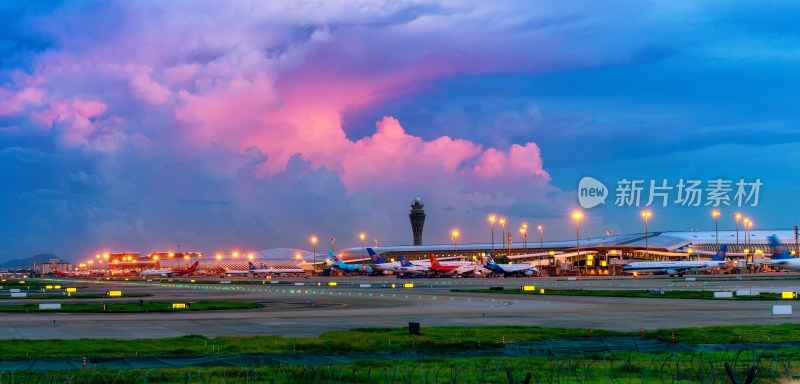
591 192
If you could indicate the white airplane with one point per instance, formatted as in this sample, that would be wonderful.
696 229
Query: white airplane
275 271
673 268
407 267
382 265
509 269
237 272
781 258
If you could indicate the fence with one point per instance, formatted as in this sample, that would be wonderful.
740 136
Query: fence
696 367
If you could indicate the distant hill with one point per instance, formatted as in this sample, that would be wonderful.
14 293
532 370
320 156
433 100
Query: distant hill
28 262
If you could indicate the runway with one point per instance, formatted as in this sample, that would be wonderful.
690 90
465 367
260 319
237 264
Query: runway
290 310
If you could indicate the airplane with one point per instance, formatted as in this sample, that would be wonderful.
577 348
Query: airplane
456 267
509 269
673 268
382 265
237 272
342 266
78 273
781 257
276 271
407 267
170 272
439 268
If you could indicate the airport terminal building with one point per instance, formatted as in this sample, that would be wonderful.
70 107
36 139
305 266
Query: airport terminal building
602 255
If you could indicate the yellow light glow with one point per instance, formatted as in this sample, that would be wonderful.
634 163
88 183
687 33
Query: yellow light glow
314 240
455 233
502 221
738 216
236 254
297 256
186 257
171 254
250 256
577 215
540 227
361 236
96 256
715 213
552 253
646 214
155 257
105 255
492 219
219 257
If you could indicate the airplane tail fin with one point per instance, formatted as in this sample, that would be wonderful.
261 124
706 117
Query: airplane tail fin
720 255
779 251
404 262
489 259
250 264
434 262
376 259
333 257
194 266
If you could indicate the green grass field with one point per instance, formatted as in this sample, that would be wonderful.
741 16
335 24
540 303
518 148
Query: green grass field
614 368
668 294
73 296
373 339
133 307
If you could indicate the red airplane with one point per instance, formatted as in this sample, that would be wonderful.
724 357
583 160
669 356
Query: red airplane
60 273
438 268
170 272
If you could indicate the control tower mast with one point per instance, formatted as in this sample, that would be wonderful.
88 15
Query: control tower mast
417 217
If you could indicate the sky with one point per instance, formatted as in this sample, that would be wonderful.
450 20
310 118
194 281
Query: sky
245 125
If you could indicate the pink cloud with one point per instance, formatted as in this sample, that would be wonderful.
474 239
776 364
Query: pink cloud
150 90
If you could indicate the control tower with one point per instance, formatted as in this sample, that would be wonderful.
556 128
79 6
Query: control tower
417 217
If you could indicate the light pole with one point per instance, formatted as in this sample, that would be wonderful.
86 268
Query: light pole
455 243
314 244
541 237
646 215
577 216
737 216
362 244
524 237
749 232
503 222
744 226
716 227
491 221
376 242
332 240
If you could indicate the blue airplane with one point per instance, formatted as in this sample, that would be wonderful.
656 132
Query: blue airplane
509 269
342 266
781 257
